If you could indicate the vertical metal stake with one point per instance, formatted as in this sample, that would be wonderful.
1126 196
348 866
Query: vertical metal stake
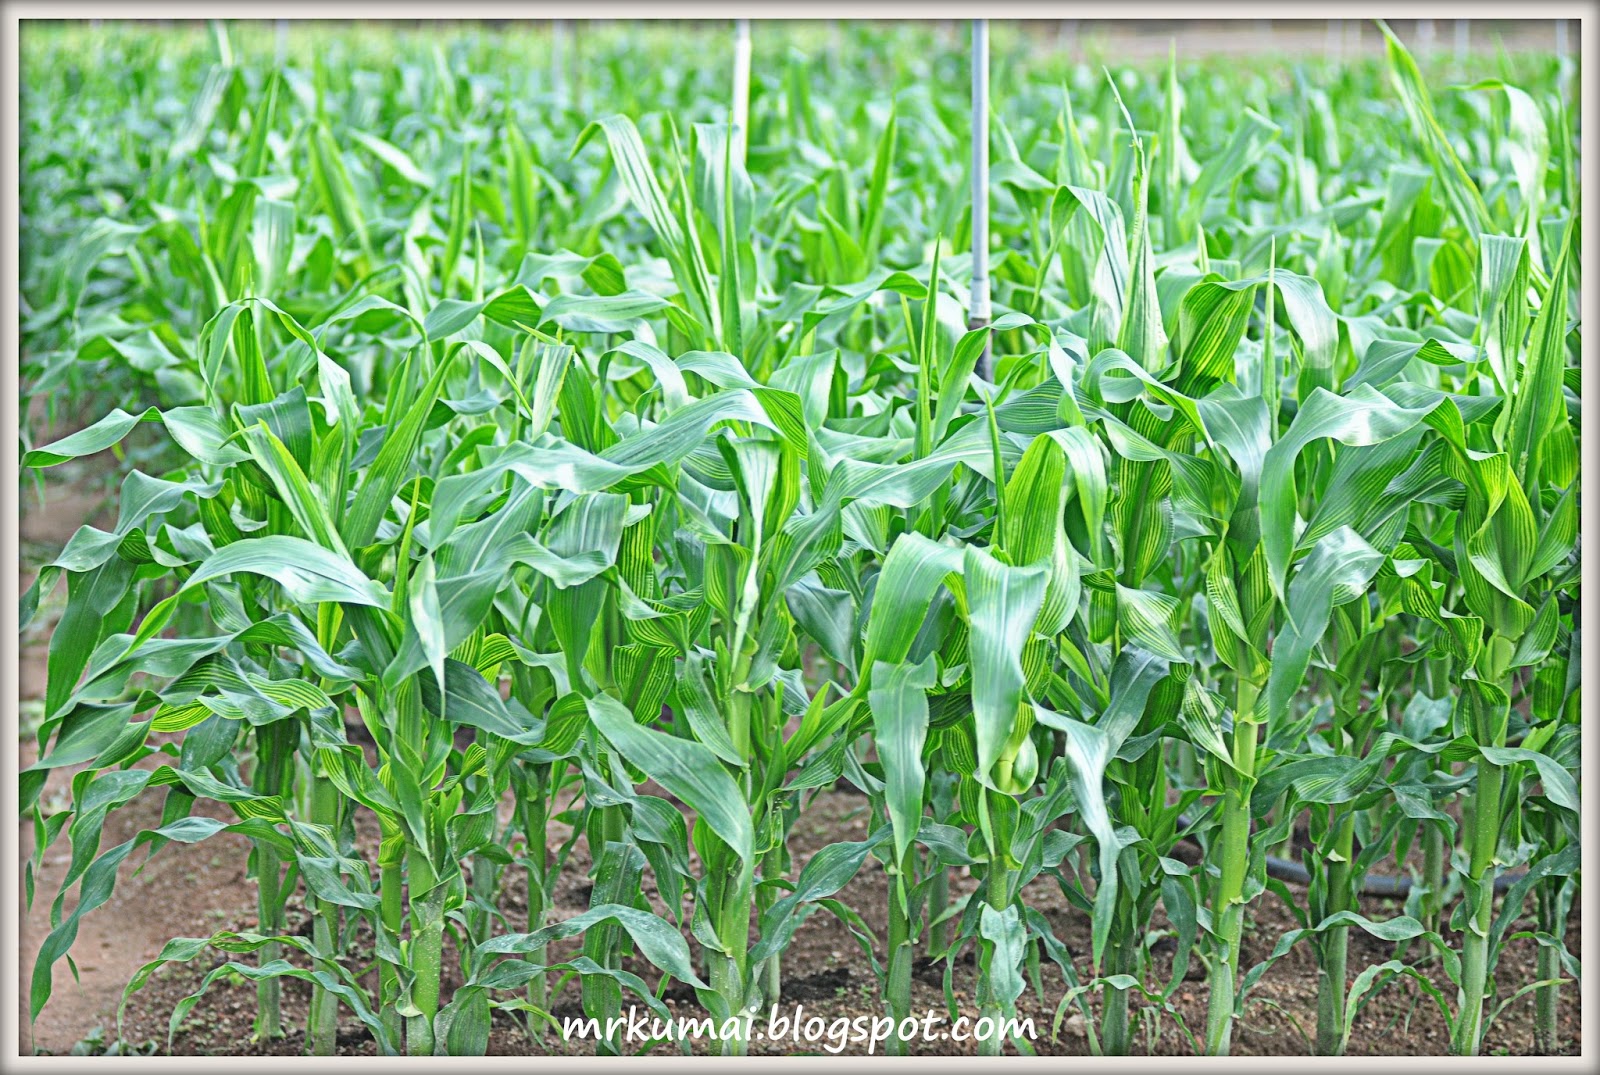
558 58
1066 34
741 88
979 314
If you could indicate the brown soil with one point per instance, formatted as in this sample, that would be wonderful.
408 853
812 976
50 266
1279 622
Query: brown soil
186 890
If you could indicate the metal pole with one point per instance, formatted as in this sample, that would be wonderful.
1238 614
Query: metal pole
283 41
1334 48
1066 34
1424 36
1564 69
558 58
1463 39
979 314
741 88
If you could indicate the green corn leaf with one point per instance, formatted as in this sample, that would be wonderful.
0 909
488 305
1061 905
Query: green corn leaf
1363 417
1463 195
1339 569
1538 405
899 703
1003 603
685 768
658 941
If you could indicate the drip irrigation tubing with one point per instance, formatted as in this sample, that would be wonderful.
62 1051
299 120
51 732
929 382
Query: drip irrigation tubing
1372 884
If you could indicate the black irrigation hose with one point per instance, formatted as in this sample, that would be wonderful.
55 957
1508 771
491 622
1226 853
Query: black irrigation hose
1372 884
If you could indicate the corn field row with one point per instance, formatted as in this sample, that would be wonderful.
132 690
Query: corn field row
508 442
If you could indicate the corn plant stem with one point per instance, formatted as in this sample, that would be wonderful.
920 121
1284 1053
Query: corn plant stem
1228 904
604 945
323 1018
486 876
771 970
323 1025
1546 998
268 778
739 702
1115 1036
997 891
897 987
1333 948
1433 860
269 908
938 903
485 881
534 824
426 952
391 912
729 967
1475 949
